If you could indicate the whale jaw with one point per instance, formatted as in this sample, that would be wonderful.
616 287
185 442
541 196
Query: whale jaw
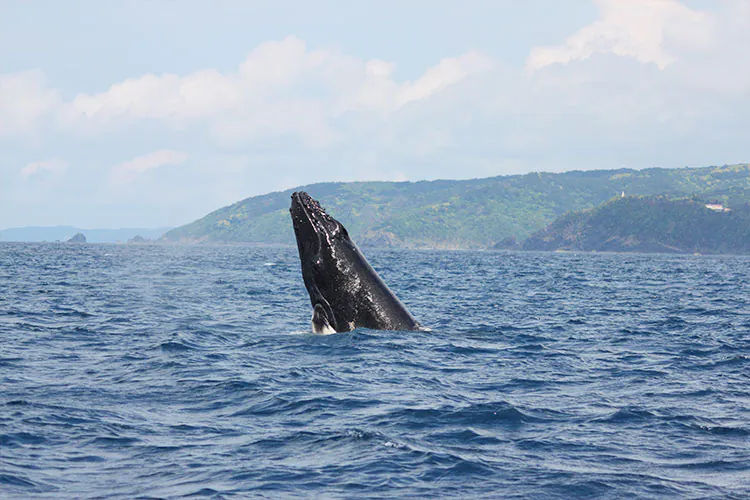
320 323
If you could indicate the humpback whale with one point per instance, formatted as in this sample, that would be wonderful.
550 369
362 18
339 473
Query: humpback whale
345 291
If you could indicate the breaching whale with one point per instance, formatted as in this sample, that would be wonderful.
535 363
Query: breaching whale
345 291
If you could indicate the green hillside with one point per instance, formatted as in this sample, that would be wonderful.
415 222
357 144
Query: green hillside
475 213
649 224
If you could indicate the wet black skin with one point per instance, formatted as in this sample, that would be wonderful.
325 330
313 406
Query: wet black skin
345 291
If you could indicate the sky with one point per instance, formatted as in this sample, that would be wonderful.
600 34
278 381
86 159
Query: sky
150 113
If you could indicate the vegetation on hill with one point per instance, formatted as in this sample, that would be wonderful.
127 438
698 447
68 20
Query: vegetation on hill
478 213
649 224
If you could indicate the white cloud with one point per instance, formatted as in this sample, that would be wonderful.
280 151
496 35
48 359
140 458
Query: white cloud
647 83
168 97
24 100
55 166
632 28
280 89
377 91
448 72
127 172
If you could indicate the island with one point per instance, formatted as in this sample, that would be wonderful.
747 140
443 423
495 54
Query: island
138 240
77 238
493 213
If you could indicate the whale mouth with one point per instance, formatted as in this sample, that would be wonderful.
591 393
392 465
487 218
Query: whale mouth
314 229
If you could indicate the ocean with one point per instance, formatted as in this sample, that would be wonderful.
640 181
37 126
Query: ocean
189 372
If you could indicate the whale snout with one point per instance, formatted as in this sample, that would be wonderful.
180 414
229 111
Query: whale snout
307 209
301 216
300 197
302 200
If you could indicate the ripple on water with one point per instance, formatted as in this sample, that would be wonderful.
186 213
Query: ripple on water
175 372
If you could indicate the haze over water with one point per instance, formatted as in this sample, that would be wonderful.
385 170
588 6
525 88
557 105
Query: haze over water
171 372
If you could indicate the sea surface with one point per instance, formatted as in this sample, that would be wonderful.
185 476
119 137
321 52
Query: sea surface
189 372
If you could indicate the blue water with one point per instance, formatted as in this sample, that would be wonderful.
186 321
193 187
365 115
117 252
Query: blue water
173 372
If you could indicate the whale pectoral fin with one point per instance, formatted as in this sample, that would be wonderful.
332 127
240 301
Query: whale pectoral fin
320 322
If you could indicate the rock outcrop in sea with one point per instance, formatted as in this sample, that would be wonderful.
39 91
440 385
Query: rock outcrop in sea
138 239
77 238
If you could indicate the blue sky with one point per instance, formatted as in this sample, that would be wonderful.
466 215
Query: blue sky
153 113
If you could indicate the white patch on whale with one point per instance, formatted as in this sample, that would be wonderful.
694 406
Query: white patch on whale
322 330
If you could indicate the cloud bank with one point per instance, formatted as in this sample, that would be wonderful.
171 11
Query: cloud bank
650 82
39 167
125 173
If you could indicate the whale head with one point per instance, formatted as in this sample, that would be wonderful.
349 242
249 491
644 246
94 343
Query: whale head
313 227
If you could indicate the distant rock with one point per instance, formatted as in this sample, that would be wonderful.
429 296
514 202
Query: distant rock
77 238
93 235
138 239
379 239
509 243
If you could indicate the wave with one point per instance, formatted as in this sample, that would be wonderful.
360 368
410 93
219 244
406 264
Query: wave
171 372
